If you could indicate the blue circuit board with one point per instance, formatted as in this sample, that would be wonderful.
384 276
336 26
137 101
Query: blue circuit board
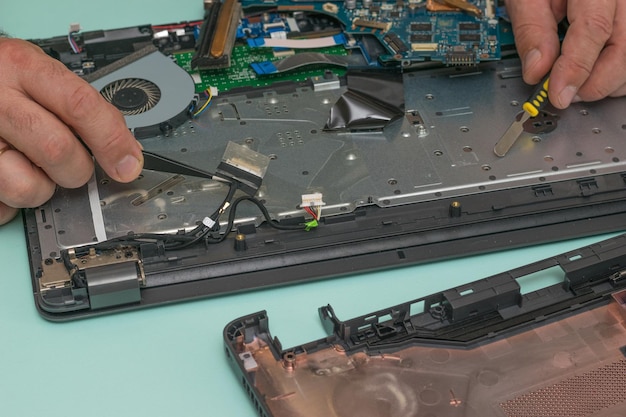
409 32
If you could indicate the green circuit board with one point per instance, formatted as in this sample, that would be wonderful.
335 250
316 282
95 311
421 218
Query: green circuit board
240 74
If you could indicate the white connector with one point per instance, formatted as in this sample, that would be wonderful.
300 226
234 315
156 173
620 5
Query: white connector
208 222
312 200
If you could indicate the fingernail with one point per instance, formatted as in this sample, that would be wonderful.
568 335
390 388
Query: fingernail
127 168
531 59
577 99
566 96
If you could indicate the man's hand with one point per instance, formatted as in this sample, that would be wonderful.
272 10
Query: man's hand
591 63
43 107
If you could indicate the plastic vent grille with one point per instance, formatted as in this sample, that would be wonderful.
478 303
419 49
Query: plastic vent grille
578 396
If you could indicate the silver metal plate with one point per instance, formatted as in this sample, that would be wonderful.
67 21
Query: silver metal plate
442 148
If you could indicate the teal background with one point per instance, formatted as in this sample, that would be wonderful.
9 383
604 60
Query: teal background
38 18
169 360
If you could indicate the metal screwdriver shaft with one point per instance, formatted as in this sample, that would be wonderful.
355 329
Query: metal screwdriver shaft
531 107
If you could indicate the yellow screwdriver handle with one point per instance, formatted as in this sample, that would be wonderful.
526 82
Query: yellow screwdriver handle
538 100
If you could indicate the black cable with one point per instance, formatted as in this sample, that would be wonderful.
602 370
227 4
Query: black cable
202 231
268 219
175 241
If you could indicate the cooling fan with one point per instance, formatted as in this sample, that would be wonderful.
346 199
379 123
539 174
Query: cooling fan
150 90
132 95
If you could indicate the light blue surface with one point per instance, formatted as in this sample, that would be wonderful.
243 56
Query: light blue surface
169 361
37 18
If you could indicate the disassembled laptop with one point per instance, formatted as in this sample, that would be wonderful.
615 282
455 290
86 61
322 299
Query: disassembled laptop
295 140
289 141
486 348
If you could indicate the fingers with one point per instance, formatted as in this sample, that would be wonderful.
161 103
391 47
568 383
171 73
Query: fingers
535 25
72 102
592 60
591 27
22 184
7 213
619 92
41 137
99 124
608 77
43 106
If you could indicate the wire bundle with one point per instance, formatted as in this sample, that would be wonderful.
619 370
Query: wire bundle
208 231
208 96
73 44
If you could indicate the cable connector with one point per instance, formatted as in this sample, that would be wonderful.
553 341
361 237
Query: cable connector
224 207
312 204
208 222
312 200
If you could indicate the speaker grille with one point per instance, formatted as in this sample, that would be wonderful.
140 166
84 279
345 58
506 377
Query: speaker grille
578 396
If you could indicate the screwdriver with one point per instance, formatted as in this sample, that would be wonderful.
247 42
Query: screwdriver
532 106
